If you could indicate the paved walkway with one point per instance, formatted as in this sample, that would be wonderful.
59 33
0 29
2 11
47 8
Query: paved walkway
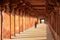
42 32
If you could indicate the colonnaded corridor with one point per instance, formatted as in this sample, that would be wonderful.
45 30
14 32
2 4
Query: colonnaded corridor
19 18
42 32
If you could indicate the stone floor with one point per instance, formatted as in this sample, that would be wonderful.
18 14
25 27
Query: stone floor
42 32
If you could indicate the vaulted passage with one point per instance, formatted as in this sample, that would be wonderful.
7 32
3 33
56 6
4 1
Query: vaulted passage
29 20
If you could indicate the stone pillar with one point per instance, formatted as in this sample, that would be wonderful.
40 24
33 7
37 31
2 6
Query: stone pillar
31 21
28 21
21 21
12 23
17 28
24 20
6 22
0 24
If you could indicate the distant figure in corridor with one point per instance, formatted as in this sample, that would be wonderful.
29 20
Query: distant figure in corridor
36 24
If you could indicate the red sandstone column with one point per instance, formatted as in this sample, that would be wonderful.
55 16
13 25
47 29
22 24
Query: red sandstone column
21 21
0 24
6 23
32 21
12 24
24 20
17 22
38 20
28 21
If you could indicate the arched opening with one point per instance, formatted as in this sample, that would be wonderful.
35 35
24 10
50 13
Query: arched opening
42 20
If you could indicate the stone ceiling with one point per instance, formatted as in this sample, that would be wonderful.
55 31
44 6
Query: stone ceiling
36 5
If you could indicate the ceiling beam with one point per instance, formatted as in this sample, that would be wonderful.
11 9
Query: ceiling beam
38 5
39 9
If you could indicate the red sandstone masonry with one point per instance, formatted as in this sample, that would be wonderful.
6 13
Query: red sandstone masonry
17 22
21 21
21 26
12 25
0 25
6 28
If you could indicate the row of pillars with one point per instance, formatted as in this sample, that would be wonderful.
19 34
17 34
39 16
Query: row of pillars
54 22
14 22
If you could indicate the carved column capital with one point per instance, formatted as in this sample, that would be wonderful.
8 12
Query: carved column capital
7 8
